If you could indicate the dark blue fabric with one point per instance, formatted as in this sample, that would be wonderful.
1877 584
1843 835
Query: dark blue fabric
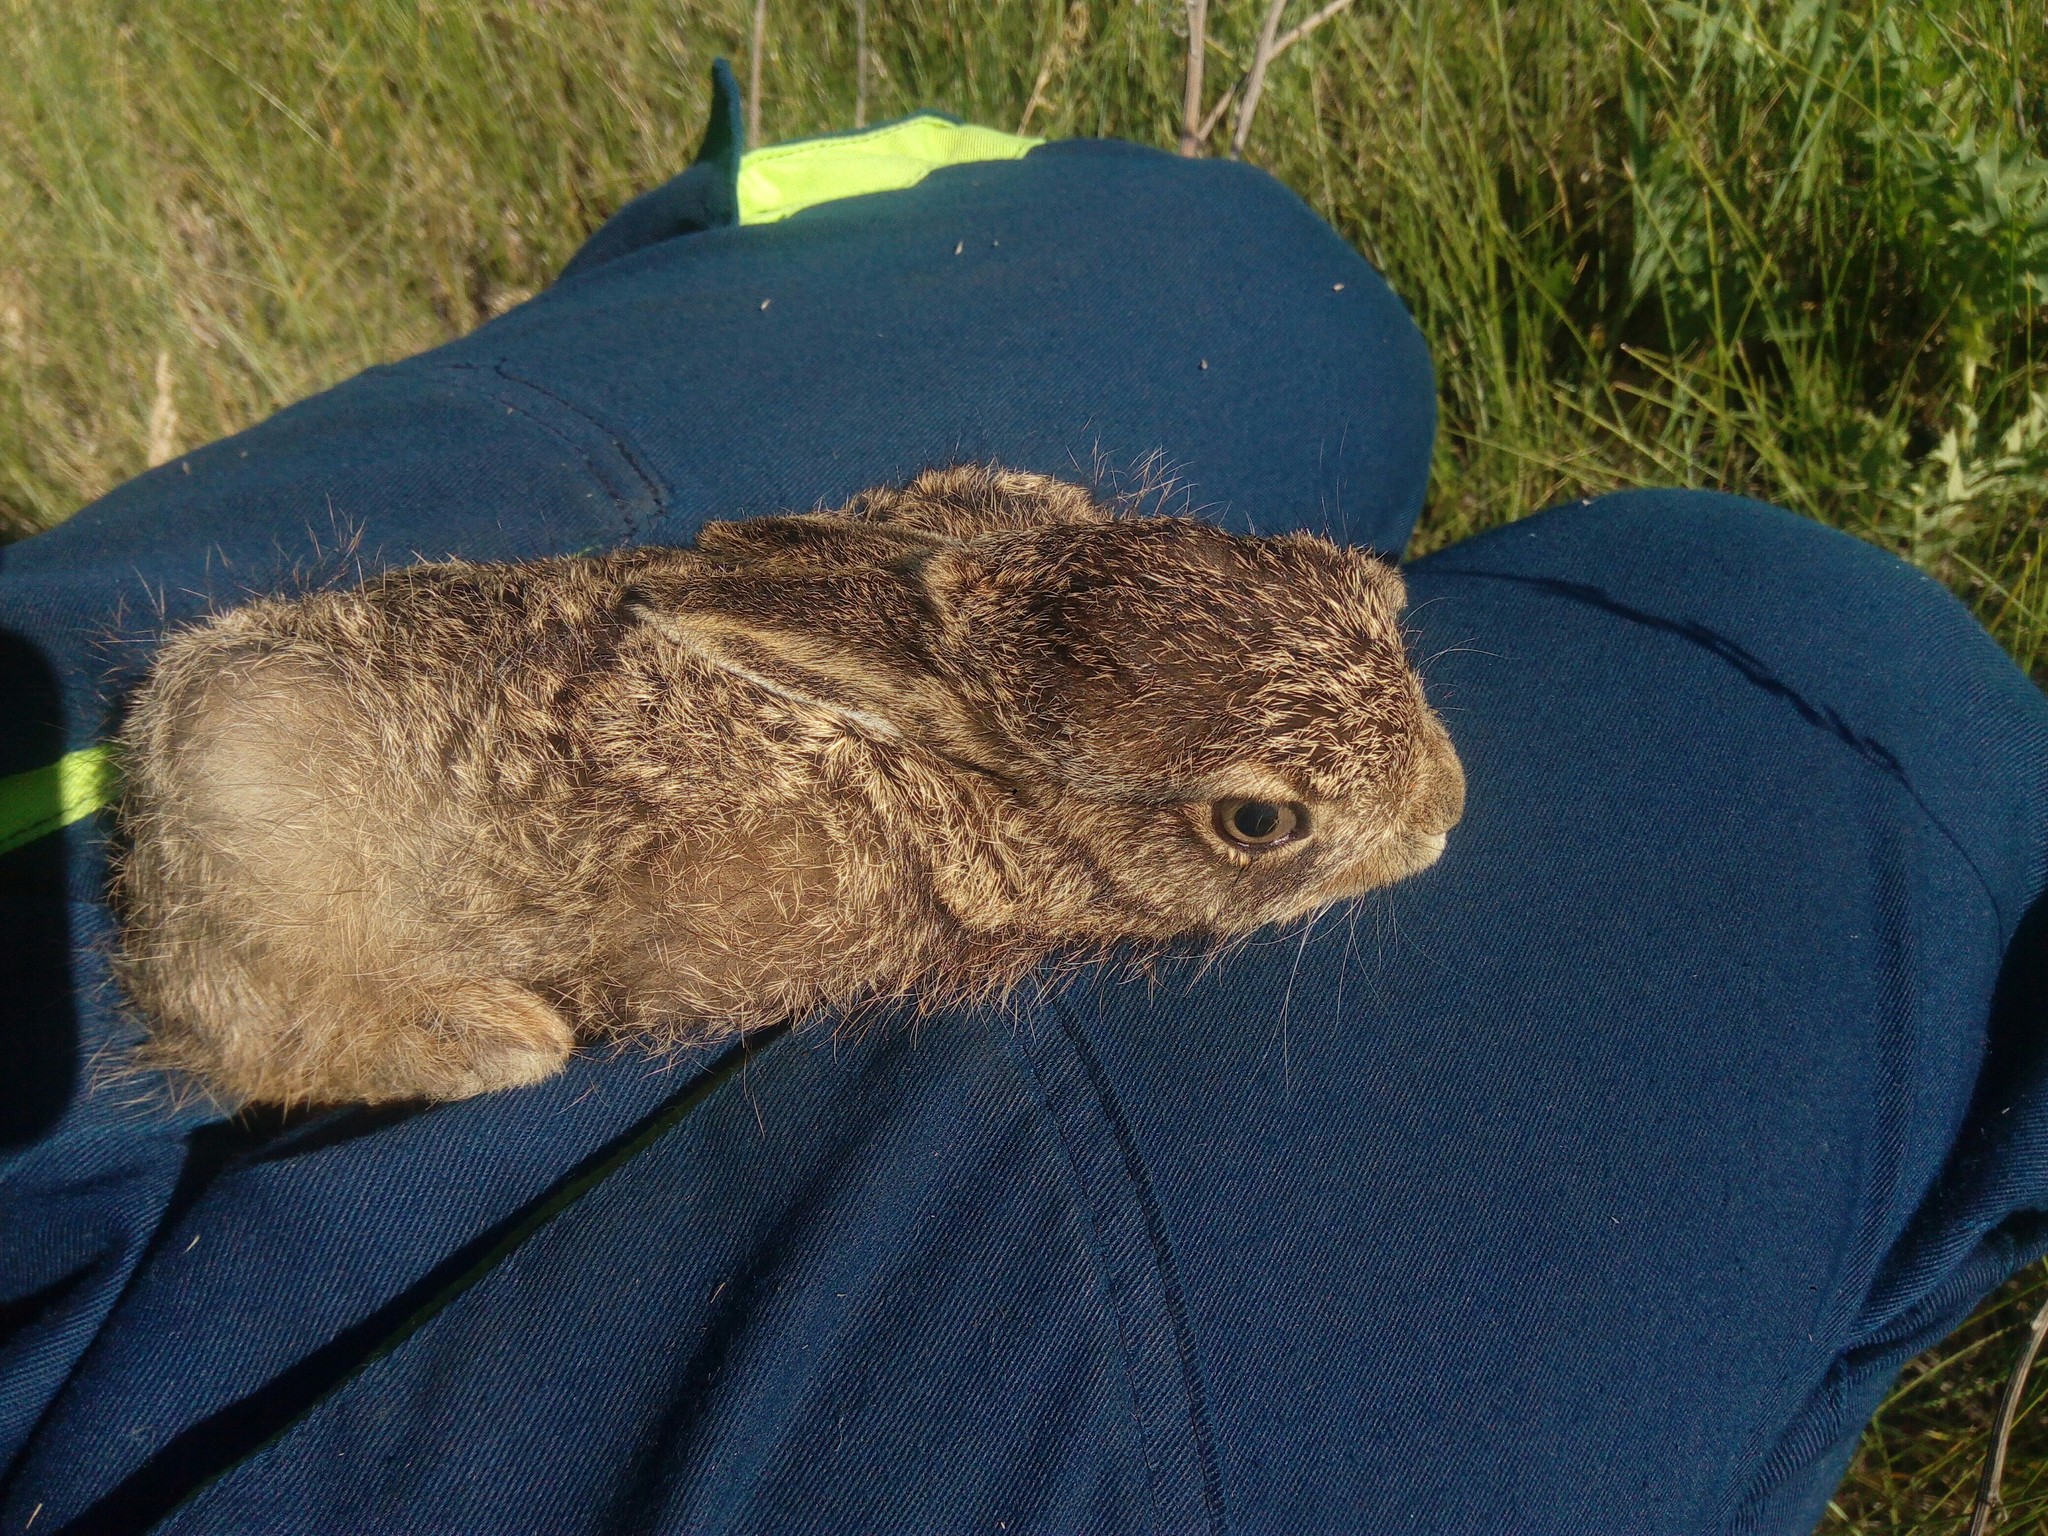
706 196
1599 1178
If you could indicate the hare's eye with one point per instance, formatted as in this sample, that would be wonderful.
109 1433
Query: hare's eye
1261 823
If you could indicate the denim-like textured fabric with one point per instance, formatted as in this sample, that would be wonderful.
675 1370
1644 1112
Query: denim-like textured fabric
1597 1179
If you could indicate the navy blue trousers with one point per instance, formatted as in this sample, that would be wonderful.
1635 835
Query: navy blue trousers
1598 1179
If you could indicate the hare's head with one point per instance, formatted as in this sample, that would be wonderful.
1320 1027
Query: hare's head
1229 725
1225 730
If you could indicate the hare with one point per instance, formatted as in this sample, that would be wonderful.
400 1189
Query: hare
420 838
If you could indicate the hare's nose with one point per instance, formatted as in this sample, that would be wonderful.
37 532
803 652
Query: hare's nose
1440 793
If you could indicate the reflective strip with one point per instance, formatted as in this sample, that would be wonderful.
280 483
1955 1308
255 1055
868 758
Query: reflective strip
38 802
788 178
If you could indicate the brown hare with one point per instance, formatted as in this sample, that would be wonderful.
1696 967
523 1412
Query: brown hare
419 838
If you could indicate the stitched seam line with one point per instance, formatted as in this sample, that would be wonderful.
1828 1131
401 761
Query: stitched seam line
627 455
1739 659
1163 1262
1111 1287
141 1501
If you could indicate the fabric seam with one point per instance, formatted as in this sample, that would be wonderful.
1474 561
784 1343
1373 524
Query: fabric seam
482 1257
463 376
1164 1267
620 442
1867 750
1156 1472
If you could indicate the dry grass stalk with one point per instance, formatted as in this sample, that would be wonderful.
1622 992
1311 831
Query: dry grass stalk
163 414
860 63
756 45
1073 27
1296 33
1270 48
1192 130
1989 1507
1255 78
1197 126
1216 113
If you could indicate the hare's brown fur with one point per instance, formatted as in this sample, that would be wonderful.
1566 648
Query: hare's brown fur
418 838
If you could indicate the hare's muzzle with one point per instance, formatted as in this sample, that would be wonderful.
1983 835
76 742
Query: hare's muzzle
1438 800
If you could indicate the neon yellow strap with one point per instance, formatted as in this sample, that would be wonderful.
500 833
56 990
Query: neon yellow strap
788 178
40 801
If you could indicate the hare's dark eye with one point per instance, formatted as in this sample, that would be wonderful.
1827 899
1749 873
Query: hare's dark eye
1261 823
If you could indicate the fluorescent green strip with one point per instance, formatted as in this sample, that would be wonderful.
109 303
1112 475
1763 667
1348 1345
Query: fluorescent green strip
788 178
38 802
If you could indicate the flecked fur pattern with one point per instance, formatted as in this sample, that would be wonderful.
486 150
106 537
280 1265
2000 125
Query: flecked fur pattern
424 837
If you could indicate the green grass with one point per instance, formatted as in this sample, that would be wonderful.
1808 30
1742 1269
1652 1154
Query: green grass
1795 249
1918 1465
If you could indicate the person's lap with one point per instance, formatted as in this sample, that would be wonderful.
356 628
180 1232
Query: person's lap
1597 1178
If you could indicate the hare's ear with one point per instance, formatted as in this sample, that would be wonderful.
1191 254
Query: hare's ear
859 643
818 539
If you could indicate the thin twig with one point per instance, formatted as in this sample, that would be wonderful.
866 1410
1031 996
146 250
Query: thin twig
1255 79
860 63
1068 34
1295 34
1216 114
1191 131
755 48
1270 48
1988 1502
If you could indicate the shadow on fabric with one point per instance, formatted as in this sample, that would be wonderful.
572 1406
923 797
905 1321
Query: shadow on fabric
39 1020
215 1445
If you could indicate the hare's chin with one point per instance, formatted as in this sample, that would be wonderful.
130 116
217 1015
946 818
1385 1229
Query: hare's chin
1416 851
1393 855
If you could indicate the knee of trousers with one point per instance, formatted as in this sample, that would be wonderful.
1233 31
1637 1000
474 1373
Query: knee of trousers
1854 640
1785 579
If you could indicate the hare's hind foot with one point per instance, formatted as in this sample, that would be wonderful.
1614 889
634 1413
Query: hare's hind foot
477 1037
451 1041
